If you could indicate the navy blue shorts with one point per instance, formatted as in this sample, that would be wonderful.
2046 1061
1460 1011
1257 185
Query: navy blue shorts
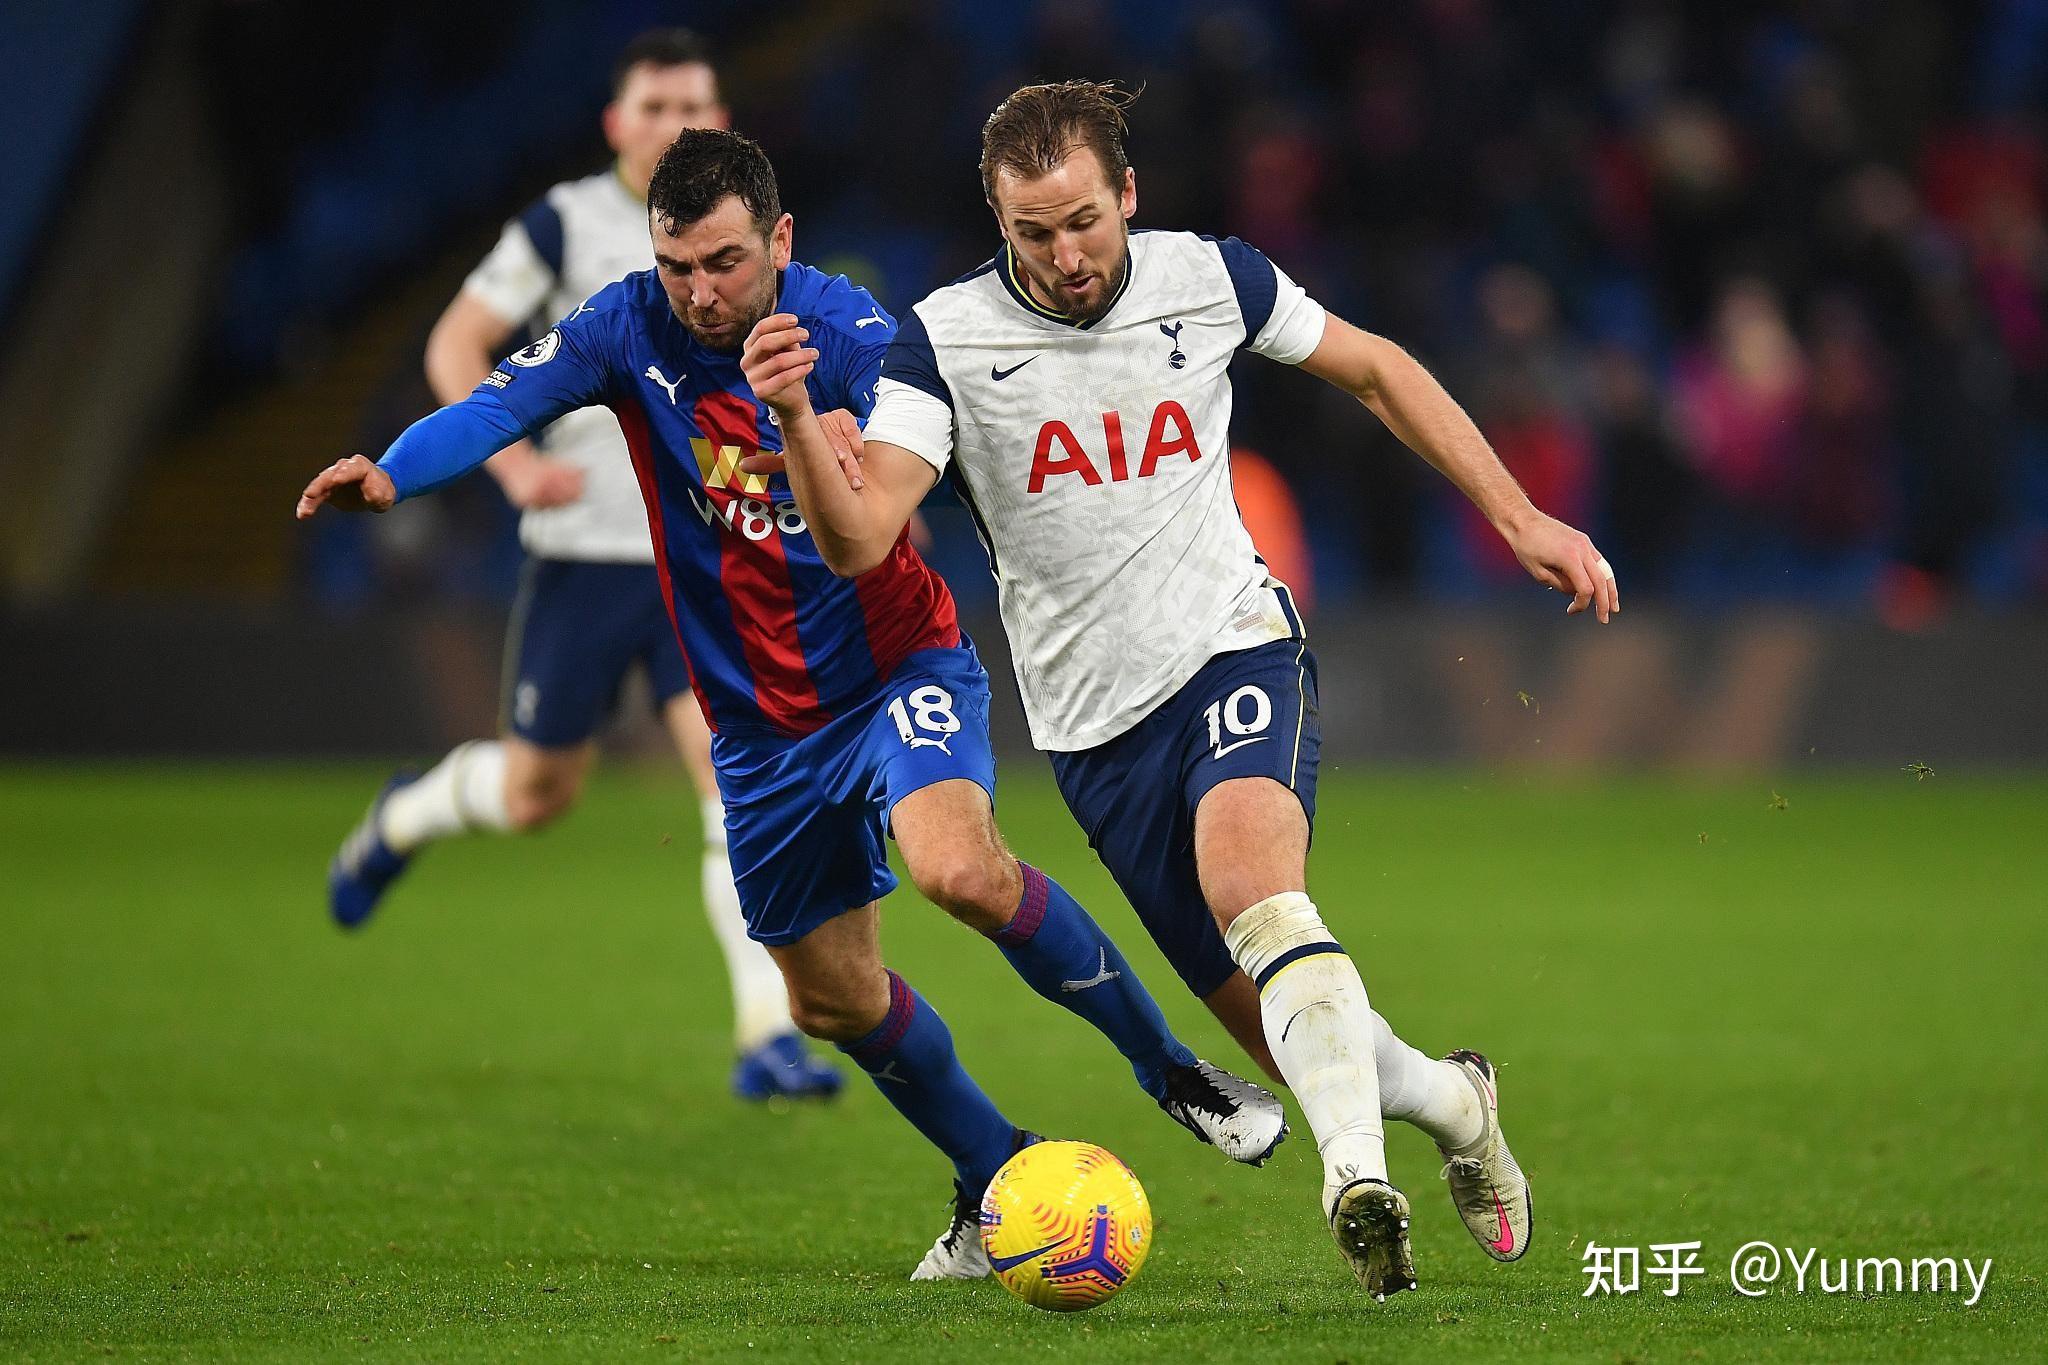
806 820
577 628
1251 713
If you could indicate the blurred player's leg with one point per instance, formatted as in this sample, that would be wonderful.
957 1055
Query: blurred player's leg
772 1058
489 785
486 786
574 632
1251 846
841 993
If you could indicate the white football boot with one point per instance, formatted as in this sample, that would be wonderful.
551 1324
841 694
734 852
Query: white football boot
958 1254
1489 1189
1369 1219
1242 1120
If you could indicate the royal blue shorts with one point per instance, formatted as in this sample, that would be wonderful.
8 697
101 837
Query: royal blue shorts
1251 713
806 820
577 629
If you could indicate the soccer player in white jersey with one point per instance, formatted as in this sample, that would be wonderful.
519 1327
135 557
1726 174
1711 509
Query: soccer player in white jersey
1076 387
589 605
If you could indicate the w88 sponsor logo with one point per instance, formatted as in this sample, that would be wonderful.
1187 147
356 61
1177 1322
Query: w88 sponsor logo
752 518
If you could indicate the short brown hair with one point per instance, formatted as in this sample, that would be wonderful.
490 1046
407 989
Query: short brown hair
660 48
1034 130
703 166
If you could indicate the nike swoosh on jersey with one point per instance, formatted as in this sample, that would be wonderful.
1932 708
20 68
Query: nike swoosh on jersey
1000 375
1227 748
1002 1263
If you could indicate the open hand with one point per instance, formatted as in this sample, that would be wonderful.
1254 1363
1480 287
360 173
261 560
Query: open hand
352 484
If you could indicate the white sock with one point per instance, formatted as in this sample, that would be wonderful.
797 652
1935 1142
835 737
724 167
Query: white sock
464 791
760 1002
1319 1025
1428 1092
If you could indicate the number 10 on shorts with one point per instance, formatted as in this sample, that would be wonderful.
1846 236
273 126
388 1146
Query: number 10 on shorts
924 718
1246 712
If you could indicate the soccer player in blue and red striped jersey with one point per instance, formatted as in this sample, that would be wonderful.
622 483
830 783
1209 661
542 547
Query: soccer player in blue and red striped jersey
844 710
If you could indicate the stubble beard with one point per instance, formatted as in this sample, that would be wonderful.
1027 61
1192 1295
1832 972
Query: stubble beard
1109 288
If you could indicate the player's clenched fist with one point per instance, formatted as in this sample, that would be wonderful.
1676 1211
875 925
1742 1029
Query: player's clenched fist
352 484
776 363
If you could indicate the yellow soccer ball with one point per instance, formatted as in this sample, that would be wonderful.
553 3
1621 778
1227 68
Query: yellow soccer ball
1066 1225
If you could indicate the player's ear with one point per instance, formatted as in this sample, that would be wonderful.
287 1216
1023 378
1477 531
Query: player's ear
781 239
1127 202
611 125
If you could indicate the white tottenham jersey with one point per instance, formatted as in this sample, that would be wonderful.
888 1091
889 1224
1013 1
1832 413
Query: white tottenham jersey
576 239
1096 461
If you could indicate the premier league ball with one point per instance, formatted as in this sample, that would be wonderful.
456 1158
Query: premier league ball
1066 1225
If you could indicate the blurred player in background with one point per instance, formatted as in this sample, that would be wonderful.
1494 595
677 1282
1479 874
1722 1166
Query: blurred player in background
845 711
1078 389
589 606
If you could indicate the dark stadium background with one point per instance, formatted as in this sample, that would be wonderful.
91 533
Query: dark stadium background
1758 294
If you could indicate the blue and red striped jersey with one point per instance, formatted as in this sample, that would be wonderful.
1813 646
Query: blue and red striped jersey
775 641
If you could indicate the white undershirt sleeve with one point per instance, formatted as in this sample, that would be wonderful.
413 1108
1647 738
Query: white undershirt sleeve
1295 327
909 417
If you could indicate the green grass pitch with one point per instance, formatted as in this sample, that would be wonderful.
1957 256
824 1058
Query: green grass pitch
495 1124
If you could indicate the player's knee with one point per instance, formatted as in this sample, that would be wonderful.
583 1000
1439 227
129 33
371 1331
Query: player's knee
540 798
833 1015
978 887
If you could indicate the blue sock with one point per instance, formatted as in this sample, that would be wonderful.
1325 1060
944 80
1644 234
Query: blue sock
1064 956
910 1056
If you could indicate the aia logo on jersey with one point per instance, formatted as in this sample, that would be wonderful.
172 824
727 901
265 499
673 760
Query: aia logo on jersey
1059 451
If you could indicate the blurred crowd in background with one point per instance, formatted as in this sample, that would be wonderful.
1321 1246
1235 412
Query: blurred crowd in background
1758 294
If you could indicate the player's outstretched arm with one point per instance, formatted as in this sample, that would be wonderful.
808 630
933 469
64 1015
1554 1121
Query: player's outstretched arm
1429 422
463 348
438 449
855 516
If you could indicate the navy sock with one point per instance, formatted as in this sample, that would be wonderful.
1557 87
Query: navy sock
910 1057
1064 956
